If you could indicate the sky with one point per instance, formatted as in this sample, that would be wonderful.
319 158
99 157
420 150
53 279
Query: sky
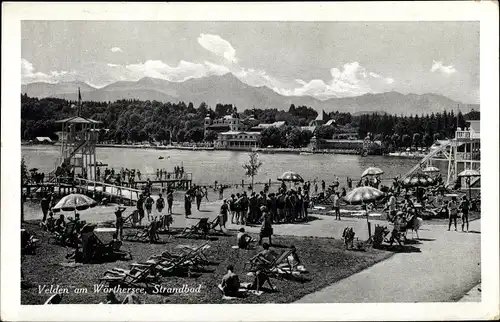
319 59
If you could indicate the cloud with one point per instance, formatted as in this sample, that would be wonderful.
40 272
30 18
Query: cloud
438 66
180 73
352 80
28 74
218 46
116 50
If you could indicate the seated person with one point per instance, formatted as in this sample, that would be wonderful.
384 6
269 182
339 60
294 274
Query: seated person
293 258
115 243
60 223
260 279
243 239
230 282
111 298
267 255
49 223
397 228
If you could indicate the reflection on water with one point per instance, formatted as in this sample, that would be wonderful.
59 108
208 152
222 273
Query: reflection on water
226 166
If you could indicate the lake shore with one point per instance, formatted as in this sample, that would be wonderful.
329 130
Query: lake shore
304 151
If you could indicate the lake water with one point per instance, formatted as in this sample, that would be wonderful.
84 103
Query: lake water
226 166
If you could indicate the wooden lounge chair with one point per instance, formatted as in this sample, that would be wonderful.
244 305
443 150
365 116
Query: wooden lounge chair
167 263
54 299
201 228
102 250
28 242
280 266
148 234
134 277
68 237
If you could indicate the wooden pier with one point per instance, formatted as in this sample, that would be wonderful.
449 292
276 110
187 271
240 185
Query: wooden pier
124 194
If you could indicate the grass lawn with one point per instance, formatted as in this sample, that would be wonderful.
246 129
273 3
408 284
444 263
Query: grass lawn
324 258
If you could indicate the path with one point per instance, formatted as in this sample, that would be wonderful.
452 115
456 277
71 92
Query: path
447 267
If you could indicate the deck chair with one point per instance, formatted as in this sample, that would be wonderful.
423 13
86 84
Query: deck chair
102 250
212 225
54 299
131 220
201 228
148 234
133 277
281 266
28 242
68 237
189 259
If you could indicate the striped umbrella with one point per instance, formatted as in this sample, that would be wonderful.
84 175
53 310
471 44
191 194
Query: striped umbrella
74 202
469 173
291 176
417 180
372 171
363 195
430 169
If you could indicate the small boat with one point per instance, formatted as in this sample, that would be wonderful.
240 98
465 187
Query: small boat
161 158
306 153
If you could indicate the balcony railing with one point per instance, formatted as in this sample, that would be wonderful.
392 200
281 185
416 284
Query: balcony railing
467 135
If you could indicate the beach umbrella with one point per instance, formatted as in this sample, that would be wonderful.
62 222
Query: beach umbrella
74 202
372 171
417 180
430 169
362 195
291 177
468 174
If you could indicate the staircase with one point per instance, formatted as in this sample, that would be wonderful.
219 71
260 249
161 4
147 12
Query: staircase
426 158
66 159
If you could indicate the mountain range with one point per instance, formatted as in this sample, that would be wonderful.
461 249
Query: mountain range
228 89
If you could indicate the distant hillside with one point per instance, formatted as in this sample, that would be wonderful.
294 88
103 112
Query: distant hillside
230 90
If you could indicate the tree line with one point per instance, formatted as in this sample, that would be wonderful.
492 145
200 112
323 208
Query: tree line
129 121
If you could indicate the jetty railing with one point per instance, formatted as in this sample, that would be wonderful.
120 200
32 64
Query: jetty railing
120 192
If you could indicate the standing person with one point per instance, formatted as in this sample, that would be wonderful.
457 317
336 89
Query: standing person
306 201
139 174
336 205
391 205
98 173
157 174
452 212
349 183
244 208
205 193
148 203
160 204
323 185
464 208
46 200
267 228
221 192
299 205
170 200
280 203
119 221
232 208
237 208
315 187
198 196
224 208
187 205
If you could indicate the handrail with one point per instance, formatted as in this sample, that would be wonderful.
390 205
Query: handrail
426 158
